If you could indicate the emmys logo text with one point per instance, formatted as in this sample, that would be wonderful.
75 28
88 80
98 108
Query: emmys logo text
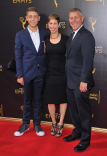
19 91
1 68
95 97
57 115
98 49
1 110
22 1
93 22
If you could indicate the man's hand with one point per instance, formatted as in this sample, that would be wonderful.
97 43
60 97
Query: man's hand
83 86
20 80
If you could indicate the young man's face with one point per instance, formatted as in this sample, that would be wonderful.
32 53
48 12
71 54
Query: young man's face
33 18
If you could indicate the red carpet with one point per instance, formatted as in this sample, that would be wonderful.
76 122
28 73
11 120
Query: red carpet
32 145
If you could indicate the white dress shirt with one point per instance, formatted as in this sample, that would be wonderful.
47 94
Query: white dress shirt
35 38
76 31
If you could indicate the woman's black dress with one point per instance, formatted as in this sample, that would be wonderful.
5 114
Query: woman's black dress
55 88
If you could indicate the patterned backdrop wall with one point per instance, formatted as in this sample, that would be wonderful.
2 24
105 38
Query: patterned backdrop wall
13 20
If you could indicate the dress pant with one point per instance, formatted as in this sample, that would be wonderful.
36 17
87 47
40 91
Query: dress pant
33 88
81 115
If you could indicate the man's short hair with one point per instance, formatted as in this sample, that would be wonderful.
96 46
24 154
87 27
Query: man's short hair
32 9
76 9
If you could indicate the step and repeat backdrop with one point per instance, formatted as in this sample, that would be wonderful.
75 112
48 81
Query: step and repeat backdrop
13 20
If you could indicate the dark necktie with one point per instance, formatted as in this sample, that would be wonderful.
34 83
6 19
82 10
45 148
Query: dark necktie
69 42
70 39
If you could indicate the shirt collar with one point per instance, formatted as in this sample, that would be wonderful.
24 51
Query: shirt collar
32 31
78 29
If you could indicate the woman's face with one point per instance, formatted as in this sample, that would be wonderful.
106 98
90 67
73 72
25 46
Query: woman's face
53 26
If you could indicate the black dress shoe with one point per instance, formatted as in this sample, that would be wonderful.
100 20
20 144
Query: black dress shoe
81 148
70 138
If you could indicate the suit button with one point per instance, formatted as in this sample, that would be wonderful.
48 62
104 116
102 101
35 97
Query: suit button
38 66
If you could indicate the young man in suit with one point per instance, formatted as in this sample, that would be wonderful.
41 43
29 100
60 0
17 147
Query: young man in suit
31 67
79 66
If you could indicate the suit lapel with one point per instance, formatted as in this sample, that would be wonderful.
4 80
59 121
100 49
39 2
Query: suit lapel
30 40
40 35
74 40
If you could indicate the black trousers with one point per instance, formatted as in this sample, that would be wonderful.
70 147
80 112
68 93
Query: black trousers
33 88
81 115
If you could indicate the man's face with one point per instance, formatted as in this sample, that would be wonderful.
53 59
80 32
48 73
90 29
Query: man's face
75 20
33 18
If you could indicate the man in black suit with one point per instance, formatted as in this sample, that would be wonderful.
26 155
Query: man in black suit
79 66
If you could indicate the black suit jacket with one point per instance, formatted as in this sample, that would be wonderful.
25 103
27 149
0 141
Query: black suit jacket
79 59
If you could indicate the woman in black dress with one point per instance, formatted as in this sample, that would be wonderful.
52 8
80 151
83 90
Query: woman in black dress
55 89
